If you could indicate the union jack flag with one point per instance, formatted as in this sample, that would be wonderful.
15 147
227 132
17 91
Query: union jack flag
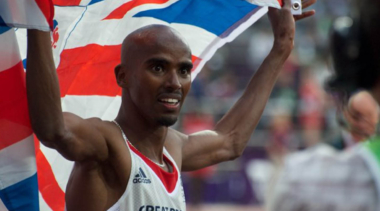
86 42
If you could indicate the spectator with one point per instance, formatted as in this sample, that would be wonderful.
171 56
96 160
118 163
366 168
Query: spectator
321 178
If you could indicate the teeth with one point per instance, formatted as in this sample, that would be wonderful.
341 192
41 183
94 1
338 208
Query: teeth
169 100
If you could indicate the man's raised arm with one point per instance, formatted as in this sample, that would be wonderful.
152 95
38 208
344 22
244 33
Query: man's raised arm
233 131
73 137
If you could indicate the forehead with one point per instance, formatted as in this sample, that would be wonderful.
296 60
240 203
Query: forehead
165 45
163 42
364 104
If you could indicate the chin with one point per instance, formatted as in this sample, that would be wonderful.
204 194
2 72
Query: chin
167 121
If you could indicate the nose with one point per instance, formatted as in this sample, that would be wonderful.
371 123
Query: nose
173 81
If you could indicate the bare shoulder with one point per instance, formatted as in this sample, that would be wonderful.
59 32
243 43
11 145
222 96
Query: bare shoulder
174 143
99 183
118 161
112 134
107 128
175 138
82 127
103 139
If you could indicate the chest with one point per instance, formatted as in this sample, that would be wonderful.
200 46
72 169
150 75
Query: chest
150 186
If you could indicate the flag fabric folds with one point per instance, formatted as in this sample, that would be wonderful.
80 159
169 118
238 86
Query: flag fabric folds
18 173
86 43
37 14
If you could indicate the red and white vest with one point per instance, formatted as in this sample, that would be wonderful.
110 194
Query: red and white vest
150 188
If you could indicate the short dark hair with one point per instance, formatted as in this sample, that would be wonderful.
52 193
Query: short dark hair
355 50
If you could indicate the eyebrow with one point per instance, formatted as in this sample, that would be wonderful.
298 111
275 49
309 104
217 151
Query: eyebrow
161 60
187 65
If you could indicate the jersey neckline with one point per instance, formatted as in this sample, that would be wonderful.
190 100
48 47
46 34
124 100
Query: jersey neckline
168 179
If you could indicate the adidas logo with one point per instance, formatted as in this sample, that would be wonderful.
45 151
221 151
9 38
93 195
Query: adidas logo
141 177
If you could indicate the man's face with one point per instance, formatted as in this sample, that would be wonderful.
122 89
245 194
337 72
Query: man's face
159 79
362 115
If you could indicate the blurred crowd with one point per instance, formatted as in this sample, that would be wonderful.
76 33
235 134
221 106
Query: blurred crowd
299 113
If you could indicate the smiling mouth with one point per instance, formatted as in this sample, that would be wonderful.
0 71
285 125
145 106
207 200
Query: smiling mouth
170 102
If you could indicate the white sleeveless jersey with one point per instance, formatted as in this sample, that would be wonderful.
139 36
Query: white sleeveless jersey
150 188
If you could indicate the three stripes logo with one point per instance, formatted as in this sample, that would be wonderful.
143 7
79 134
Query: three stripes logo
141 177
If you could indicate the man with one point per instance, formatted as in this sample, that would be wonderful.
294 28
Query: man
133 163
320 178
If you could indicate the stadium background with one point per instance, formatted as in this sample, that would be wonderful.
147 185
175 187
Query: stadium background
299 113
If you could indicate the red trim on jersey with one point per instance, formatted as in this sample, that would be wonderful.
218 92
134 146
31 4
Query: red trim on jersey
168 179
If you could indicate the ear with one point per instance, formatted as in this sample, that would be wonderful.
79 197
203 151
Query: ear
120 75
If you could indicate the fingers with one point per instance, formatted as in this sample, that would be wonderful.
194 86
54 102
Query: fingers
272 9
304 15
307 3
287 3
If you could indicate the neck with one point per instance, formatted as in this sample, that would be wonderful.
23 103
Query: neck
146 137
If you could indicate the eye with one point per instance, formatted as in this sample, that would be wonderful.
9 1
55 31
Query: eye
185 71
158 68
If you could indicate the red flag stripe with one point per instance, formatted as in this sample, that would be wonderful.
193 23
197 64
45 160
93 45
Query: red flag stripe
14 114
66 2
196 61
123 9
48 185
81 68
12 81
11 132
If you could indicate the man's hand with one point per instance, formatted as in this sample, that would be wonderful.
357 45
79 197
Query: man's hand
283 26
306 4
234 130
283 23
